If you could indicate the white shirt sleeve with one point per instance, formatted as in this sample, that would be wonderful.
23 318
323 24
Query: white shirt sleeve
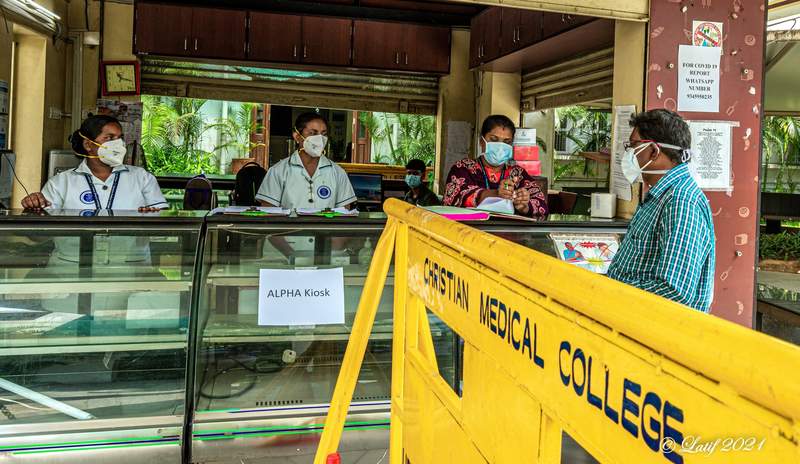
271 189
152 192
344 190
54 189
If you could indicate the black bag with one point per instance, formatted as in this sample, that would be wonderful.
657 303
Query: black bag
248 181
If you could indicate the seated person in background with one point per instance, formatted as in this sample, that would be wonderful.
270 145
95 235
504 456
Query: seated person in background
418 192
470 181
307 178
101 181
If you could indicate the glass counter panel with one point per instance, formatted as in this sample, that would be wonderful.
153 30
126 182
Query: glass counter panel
93 321
242 365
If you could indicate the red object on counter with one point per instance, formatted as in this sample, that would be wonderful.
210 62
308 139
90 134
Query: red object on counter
526 153
333 458
533 168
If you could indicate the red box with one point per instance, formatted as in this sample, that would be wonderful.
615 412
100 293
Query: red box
533 168
526 153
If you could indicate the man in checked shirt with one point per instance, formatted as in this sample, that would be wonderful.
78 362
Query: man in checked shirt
669 247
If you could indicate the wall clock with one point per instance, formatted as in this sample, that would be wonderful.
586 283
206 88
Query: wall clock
120 77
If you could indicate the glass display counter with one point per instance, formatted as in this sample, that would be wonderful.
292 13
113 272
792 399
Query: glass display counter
112 327
94 313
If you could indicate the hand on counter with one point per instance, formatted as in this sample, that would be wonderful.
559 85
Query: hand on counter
521 200
35 201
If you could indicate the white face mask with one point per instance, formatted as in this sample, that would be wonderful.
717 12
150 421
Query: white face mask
630 163
112 153
314 145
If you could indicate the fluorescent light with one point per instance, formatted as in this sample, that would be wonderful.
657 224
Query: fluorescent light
45 400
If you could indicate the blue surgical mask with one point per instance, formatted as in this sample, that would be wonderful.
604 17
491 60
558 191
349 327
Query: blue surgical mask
498 153
413 181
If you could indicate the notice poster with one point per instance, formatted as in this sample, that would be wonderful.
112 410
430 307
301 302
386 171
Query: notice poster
711 154
591 252
301 296
698 79
622 132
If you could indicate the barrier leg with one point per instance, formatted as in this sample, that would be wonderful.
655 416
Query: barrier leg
398 344
357 345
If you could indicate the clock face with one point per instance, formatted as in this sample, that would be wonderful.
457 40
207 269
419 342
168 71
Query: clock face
121 78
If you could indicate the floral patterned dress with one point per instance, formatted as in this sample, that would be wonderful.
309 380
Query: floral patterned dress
468 178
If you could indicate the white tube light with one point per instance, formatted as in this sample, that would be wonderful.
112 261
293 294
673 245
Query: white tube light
45 400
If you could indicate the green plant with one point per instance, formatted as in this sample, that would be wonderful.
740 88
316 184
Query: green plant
783 246
781 144
416 136
173 130
589 130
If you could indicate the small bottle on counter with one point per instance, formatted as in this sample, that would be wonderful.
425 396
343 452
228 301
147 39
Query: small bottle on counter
365 253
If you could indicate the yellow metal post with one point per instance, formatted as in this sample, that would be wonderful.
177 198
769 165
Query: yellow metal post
357 346
398 343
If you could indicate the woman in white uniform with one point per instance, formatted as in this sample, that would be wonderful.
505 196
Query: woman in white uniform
307 179
101 181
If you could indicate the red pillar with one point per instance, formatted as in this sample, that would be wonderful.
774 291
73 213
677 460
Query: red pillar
735 214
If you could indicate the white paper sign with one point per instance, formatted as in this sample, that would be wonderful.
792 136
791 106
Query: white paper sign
622 132
525 136
711 154
698 79
301 297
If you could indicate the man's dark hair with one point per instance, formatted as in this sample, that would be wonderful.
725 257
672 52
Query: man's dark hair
497 120
302 121
416 165
664 126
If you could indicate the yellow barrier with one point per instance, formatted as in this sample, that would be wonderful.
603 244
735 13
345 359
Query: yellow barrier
632 377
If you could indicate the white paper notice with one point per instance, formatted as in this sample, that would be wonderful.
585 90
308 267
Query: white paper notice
711 154
698 79
301 297
622 132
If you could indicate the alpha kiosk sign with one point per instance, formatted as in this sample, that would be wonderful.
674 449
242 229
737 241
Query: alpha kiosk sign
301 296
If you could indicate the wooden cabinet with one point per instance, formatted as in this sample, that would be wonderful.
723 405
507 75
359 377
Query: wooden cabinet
556 23
150 36
377 44
195 32
275 37
485 38
427 49
219 33
326 40
409 47
520 29
299 39
529 28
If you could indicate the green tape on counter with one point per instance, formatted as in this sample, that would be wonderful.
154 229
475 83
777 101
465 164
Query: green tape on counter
94 448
